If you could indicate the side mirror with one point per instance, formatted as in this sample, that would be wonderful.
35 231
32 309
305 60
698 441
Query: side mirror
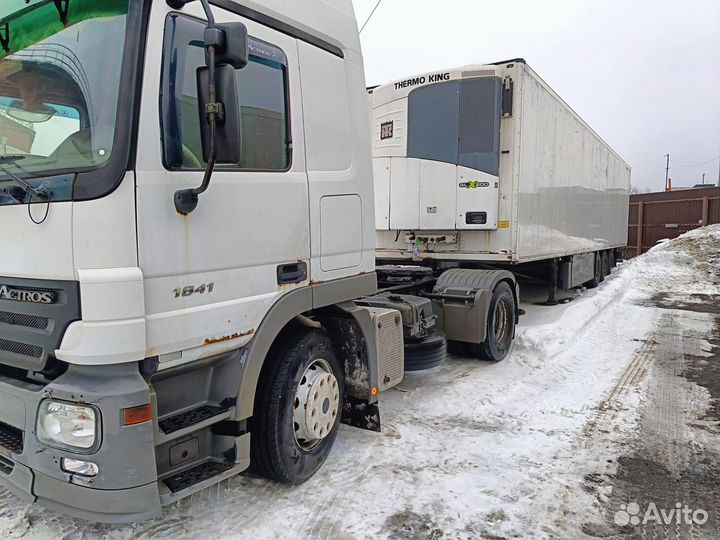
226 49
228 123
232 45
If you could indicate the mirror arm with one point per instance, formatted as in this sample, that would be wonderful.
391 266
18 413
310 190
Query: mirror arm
186 200
5 40
62 7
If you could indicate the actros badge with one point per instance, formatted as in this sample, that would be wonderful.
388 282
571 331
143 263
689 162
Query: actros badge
25 295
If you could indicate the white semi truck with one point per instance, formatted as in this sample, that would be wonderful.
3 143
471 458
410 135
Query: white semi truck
485 166
188 284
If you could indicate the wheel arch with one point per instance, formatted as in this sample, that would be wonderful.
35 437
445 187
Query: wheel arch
483 282
282 318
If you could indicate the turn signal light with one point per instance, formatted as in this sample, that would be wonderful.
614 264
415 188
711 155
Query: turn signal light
137 415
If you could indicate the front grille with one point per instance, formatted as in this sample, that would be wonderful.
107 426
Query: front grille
32 326
28 321
21 349
11 438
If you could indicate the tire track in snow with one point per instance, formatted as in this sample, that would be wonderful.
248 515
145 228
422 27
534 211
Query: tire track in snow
323 515
609 409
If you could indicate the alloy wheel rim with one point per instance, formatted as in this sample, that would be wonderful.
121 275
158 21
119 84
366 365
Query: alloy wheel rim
316 405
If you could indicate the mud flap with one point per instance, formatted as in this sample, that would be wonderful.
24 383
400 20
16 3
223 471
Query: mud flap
358 410
360 413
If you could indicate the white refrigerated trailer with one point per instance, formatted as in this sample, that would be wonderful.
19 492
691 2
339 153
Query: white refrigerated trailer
486 166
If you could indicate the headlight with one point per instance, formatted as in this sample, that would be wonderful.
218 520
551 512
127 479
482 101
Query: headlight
67 425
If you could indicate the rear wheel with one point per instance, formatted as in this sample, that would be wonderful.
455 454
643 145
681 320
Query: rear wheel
500 326
297 409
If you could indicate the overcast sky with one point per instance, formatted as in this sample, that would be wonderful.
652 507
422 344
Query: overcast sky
645 74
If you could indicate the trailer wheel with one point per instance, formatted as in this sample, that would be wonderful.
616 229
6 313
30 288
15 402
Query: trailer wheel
500 326
597 278
427 353
297 409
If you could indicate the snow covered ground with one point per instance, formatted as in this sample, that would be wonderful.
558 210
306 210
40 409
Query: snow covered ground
605 402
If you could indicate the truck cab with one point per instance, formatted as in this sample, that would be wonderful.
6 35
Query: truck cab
141 347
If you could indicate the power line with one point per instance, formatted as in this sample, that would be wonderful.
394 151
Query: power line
697 164
371 15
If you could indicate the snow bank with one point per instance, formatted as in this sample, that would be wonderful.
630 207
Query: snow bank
702 246
687 261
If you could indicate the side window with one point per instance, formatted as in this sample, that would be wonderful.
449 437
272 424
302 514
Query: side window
457 122
262 86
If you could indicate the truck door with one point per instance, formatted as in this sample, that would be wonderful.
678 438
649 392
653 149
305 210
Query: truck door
211 276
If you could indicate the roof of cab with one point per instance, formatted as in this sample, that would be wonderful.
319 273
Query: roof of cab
332 21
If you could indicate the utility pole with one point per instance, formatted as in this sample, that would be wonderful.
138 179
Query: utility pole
703 179
667 171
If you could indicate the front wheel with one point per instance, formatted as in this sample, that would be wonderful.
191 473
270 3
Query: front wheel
500 325
297 409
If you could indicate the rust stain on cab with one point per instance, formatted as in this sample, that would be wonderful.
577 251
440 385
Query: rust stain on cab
210 341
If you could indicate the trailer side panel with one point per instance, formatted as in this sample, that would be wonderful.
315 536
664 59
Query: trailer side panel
573 189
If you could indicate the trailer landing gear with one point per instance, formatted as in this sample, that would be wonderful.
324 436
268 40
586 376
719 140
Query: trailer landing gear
553 287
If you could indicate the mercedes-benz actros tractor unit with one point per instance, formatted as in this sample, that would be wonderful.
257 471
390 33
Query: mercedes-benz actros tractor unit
186 207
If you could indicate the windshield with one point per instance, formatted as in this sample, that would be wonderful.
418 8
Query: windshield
59 78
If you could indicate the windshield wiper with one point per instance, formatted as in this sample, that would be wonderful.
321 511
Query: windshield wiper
22 184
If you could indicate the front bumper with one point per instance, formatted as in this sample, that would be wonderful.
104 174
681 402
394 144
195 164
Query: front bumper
107 506
126 488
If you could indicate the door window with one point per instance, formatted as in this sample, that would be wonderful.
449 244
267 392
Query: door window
262 87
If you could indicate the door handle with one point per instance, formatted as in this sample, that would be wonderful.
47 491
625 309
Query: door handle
291 273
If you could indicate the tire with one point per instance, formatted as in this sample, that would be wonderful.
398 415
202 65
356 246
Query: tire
427 353
597 278
278 451
500 326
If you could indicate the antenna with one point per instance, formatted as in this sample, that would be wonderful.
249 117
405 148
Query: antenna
370 16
